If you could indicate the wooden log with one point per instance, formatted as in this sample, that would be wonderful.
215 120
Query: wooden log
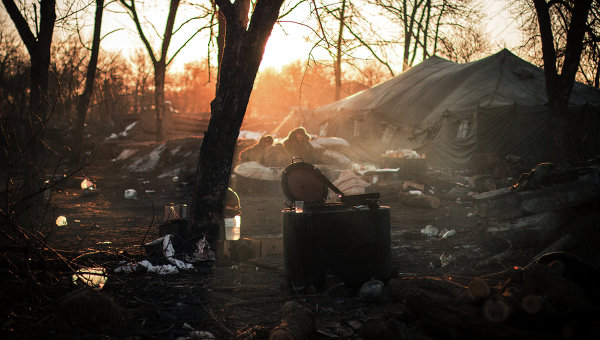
565 295
497 309
419 201
444 316
478 289
533 304
297 323
505 204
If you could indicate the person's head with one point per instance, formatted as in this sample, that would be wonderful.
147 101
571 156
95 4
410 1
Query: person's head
266 140
299 134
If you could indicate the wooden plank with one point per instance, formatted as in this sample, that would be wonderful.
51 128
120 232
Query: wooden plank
503 204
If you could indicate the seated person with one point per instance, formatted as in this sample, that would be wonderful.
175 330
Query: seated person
297 144
277 157
256 152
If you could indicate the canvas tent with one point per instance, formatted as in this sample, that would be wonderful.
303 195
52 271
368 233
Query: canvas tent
449 111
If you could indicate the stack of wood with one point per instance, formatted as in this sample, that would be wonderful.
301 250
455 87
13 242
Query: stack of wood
548 218
553 295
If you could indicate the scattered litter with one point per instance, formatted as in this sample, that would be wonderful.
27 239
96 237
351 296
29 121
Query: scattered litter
198 335
94 277
430 231
126 267
76 221
132 267
362 167
86 183
449 233
161 270
164 246
415 192
149 161
202 253
169 252
446 259
176 212
124 155
470 214
371 291
61 221
130 194
175 179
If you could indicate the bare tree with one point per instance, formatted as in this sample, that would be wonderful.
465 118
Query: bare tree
160 63
345 32
143 72
244 47
83 101
427 24
13 74
38 42
560 85
467 44
560 16
29 134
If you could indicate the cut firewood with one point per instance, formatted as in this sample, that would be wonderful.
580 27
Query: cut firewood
419 201
496 309
533 304
564 294
478 289
297 323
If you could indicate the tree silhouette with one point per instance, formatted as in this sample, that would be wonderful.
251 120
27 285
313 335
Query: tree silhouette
244 47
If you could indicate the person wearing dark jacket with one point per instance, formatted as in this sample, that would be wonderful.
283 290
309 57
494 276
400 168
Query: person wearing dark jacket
297 144
256 152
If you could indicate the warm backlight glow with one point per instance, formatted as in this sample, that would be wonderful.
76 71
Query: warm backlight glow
86 183
61 221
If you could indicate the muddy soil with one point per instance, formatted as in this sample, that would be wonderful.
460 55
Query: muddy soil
229 299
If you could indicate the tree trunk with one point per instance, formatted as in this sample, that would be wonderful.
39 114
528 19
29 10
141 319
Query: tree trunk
220 41
241 58
84 99
159 97
559 86
31 140
160 65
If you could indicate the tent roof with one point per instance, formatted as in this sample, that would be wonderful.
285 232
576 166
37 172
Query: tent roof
418 97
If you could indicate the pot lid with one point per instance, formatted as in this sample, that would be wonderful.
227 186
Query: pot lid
302 181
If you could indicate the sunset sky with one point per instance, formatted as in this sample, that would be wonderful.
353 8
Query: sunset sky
288 40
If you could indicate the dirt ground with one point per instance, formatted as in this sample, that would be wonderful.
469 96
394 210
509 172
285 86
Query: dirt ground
225 298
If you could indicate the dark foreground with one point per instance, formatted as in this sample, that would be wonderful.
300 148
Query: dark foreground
424 299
